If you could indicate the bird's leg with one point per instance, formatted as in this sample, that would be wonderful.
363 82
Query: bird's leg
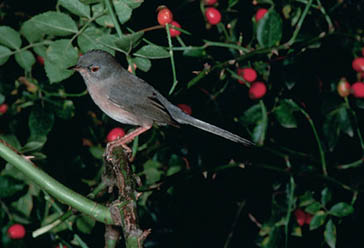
125 140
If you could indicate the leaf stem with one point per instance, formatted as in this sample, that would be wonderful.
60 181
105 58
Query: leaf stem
113 18
321 150
172 60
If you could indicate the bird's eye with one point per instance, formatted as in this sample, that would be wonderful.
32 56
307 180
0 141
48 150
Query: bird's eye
94 68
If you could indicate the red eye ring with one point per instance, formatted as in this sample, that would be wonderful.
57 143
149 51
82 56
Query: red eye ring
95 68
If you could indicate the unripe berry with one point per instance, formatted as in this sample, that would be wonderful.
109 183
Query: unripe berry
257 90
343 88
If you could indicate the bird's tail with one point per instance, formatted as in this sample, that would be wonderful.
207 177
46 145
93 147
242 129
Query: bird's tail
186 119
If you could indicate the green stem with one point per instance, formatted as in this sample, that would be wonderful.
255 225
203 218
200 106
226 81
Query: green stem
322 153
356 124
172 60
290 200
327 17
55 188
299 24
113 18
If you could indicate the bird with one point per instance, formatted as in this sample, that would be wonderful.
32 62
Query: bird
128 99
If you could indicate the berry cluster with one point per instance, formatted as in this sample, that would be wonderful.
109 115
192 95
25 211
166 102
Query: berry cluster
165 16
356 89
257 89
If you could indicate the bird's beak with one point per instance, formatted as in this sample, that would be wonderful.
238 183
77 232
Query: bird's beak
75 68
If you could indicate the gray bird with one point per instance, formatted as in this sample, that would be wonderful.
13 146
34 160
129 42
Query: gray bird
130 100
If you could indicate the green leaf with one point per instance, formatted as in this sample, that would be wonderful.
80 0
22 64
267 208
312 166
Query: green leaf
90 1
97 151
152 52
4 54
194 52
2 98
85 224
25 59
65 109
152 171
40 122
123 12
269 29
60 56
252 115
9 186
9 37
95 38
129 41
133 3
313 208
325 196
24 204
48 23
318 220
256 116
142 63
341 209
12 140
337 121
330 234
284 114
306 199
75 7
34 143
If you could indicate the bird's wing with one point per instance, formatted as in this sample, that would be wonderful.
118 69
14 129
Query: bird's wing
135 96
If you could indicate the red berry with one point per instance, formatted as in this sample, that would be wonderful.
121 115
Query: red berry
40 59
300 216
308 218
174 32
16 231
358 64
164 16
257 90
210 2
343 88
213 16
185 108
63 246
3 108
249 74
115 133
260 14
357 89
362 51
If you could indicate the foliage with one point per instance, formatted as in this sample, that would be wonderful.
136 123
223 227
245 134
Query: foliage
195 187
